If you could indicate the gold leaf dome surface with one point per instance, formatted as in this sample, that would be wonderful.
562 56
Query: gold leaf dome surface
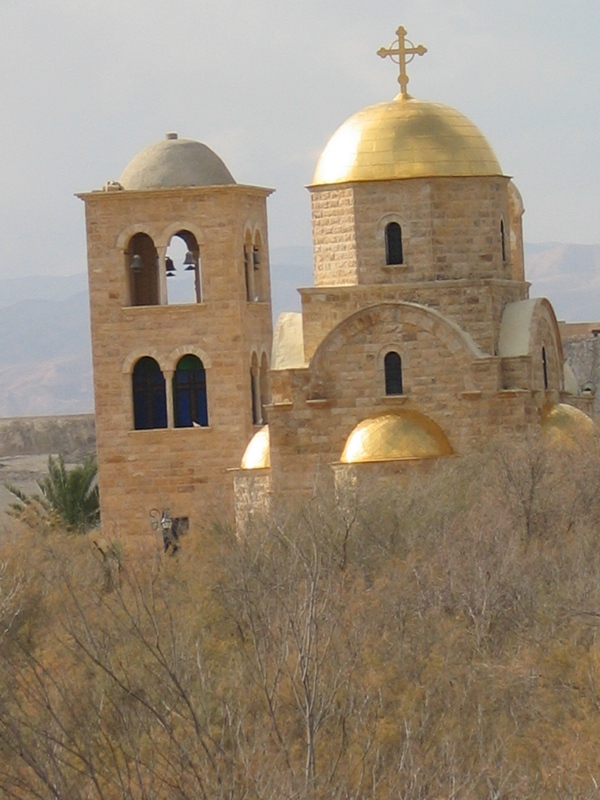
258 453
405 138
396 436
565 424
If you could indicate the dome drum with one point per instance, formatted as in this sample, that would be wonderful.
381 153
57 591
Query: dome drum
452 228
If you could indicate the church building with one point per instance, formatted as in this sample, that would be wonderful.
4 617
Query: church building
417 341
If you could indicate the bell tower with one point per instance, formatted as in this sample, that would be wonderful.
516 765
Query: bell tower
180 380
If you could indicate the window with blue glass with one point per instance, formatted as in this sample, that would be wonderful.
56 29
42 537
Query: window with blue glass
392 365
149 395
189 393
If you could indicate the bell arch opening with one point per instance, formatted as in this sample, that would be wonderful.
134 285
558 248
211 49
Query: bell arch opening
142 265
254 268
182 265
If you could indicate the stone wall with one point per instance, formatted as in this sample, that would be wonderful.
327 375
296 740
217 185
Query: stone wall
474 305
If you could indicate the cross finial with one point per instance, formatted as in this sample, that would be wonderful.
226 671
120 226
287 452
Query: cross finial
402 55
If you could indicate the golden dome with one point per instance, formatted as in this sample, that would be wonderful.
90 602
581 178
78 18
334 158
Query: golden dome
258 453
565 424
405 138
396 436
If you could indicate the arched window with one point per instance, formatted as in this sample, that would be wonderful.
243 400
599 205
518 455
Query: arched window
503 241
189 393
149 396
264 387
545 367
255 392
142 263
392 364
393 244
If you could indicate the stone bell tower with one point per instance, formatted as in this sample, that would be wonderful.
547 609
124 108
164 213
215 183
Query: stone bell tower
180 387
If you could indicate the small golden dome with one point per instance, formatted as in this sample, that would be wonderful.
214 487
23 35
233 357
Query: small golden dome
258 453
405 138
565 424
396 436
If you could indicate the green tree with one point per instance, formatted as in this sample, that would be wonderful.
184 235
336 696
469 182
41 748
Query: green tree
68 497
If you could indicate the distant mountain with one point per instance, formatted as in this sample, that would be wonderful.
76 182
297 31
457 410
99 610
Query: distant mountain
45 354
41 287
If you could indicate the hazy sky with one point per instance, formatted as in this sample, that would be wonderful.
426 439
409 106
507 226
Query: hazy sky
86 84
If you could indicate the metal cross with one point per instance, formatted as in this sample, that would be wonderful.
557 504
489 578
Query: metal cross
402 55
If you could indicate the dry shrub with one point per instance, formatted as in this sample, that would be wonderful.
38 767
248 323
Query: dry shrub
437 640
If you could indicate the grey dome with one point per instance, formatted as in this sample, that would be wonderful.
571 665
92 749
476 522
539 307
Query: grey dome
175 162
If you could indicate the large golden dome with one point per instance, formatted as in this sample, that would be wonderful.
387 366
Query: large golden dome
396 436
405 138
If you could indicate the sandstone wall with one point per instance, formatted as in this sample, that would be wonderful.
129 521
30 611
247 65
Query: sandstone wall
451 229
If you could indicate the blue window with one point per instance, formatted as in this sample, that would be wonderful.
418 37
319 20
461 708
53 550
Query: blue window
189 393
149 396
392 365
